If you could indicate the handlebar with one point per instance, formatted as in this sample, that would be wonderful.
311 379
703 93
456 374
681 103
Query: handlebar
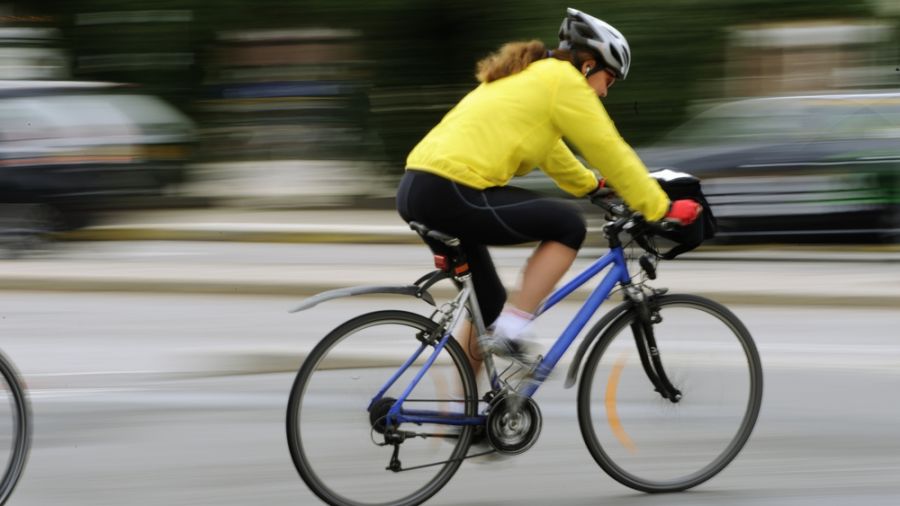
623 219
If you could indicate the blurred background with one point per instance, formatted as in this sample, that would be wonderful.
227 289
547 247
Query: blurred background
269 103
177 174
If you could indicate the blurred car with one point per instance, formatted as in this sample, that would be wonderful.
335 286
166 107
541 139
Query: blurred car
795 168
68 148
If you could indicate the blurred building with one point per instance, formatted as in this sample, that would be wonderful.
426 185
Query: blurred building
797 57
283 94
285 115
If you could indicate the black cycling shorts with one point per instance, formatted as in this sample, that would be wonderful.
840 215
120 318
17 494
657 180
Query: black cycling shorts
501 215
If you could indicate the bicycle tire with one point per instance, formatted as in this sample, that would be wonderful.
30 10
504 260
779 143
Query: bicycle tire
332 486
20 422
631 463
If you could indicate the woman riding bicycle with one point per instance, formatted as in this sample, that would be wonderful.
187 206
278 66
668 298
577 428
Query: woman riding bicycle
529 99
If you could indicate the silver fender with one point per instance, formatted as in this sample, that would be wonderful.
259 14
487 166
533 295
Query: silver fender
411 290
593 336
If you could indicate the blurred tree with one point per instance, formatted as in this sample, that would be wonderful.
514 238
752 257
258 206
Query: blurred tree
423 52
149 42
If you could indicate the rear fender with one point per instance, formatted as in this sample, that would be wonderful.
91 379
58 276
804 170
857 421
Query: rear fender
411 290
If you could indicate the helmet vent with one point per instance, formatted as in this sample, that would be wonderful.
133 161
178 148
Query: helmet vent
615 54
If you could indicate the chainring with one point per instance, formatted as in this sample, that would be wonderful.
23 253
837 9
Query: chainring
513 424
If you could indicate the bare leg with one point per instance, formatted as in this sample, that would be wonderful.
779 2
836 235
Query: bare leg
466 335
550 261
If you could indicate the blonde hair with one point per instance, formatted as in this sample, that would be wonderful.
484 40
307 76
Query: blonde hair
514 57
510 59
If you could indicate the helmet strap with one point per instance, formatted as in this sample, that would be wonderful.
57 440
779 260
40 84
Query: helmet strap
594 70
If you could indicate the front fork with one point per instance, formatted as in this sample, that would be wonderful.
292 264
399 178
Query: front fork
647 315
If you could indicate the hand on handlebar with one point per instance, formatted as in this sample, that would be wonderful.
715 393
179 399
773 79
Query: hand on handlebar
684 211
601 191
605 198
681 212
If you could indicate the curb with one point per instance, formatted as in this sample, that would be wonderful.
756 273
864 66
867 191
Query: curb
169 286
285 234
396 234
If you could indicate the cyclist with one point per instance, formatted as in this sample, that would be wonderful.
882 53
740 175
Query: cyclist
528 100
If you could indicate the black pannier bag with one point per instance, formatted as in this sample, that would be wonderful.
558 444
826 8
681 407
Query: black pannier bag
681 185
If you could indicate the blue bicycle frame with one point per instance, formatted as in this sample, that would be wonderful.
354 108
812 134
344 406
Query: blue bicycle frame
618 274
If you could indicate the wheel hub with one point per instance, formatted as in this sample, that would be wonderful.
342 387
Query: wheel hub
378 413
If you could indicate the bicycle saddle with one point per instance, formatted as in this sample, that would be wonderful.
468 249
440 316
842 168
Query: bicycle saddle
447 249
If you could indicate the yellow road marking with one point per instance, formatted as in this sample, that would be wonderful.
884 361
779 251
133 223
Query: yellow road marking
612 414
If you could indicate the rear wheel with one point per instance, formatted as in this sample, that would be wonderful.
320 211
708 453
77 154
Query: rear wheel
656 445
341 442
15 428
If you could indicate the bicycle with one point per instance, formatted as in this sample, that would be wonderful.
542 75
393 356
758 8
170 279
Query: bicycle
15 427
662 373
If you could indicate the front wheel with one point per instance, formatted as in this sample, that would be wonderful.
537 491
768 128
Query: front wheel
15 428
653 444
339 433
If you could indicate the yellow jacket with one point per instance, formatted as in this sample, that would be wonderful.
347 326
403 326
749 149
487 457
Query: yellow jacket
510 126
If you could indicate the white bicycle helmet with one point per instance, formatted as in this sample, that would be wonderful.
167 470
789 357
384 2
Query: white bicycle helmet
583 31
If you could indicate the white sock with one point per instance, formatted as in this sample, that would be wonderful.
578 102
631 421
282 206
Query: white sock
512 323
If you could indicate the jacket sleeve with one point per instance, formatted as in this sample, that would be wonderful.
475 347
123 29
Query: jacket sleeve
583 120
567 172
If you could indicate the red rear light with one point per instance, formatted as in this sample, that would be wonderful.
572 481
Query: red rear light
440 261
